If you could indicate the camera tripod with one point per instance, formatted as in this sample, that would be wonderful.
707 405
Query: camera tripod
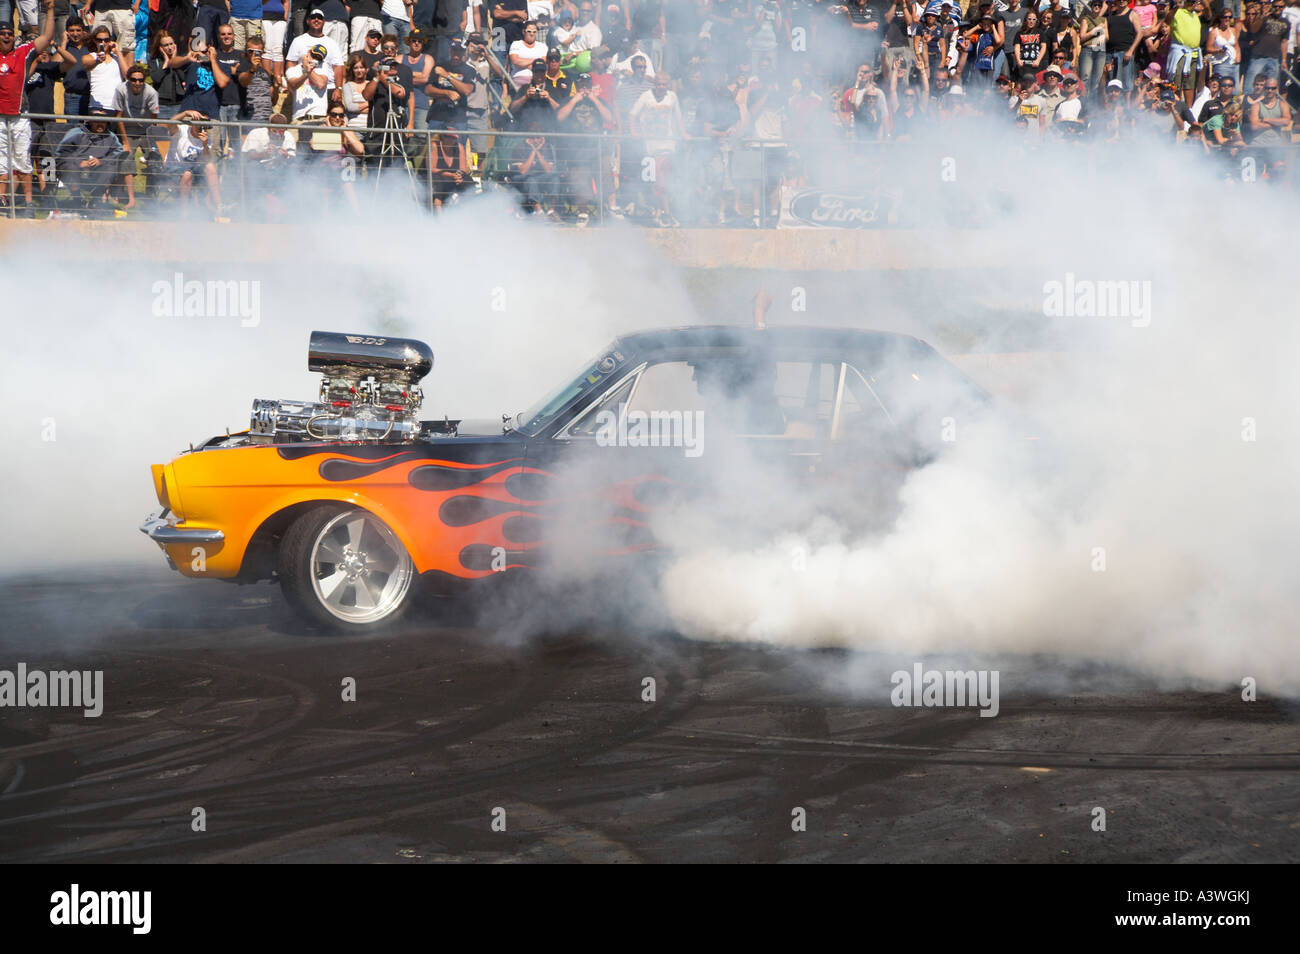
392 146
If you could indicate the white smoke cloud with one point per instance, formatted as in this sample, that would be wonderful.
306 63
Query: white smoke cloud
1138 430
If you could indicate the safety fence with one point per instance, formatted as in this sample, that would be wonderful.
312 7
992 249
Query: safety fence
105 167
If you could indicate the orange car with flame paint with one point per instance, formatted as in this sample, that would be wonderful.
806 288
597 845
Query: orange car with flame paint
351 503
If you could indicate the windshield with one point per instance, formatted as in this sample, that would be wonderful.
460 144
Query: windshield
589 379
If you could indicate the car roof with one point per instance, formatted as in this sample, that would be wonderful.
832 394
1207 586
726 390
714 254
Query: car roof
739 336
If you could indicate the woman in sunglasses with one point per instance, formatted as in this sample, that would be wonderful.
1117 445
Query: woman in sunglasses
1224 47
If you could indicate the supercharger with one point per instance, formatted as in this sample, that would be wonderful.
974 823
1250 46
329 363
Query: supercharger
369 392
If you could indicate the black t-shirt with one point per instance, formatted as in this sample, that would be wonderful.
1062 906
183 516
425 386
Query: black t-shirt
1270 38
201 90
333 10
76 80
1120 33
229 63
442 109
866 13
535 110
645 19
367 8
379 105
561 88
523 149
1211 109
514 29
896 33
40 87
1030 43
584 119
103 6
446 17
721 112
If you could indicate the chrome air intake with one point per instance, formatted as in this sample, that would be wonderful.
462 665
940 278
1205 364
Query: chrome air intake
369 392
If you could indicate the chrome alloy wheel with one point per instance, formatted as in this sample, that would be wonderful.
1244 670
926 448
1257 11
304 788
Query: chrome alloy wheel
360 571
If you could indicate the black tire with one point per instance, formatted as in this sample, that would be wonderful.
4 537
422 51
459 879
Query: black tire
336 598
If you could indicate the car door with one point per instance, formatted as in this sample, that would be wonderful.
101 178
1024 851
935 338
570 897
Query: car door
720 435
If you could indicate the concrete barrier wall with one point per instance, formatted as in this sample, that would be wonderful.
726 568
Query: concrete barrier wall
784 249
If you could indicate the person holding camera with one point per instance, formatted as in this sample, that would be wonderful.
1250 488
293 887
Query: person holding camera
580 158
308 80
257 83
268 152
106 66
331 60
534 106
390 108
192 152
119 17
204 79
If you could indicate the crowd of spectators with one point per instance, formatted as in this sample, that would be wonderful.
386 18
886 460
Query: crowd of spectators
705 111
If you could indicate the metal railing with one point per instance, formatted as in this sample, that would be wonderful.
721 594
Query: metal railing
573 177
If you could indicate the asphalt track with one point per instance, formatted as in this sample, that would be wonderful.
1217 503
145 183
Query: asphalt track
215 697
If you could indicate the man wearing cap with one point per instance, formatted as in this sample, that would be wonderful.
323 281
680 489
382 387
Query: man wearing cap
421 65
14 63
364 16
448 91
557 81
371 53
308 79
533 106
331 61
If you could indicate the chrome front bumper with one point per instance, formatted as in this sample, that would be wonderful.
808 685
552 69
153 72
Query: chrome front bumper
160 530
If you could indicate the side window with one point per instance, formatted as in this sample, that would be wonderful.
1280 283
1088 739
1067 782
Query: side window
860 414
668 386
805 391
614 402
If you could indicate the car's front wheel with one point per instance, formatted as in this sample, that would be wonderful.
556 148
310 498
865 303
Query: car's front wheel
344 568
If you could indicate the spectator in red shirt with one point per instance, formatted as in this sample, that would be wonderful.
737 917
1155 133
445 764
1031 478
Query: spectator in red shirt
16 134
